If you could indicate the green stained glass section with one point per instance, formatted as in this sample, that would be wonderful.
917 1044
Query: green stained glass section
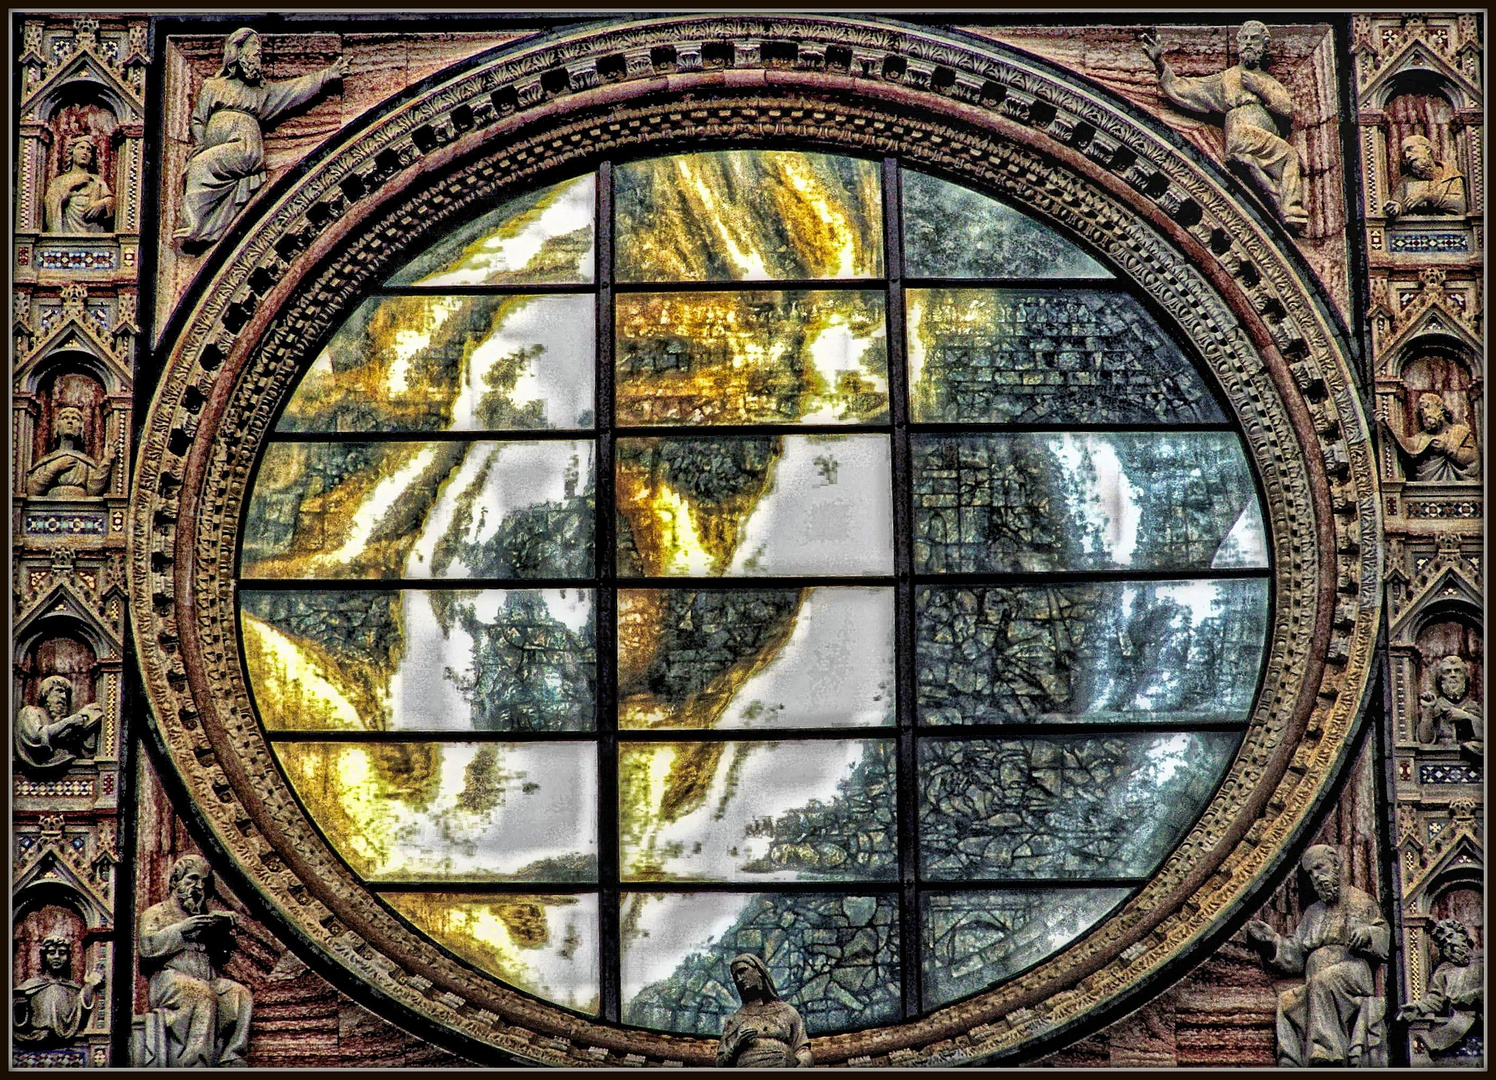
545 945
797 810
954 232
452 363
417 811
542 238
1168 652
835 958
421 509
1062 807
421 660
751 358
1084 501
1047 356
973 940
748 215
754 506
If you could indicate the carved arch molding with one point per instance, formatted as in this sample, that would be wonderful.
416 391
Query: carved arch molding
971 111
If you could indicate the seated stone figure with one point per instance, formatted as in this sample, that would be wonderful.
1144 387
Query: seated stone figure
205 1016
51 1009
1455 994
1335 1018
68 472
49 734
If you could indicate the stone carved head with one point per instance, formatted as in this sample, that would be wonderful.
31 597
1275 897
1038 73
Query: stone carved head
1454 941
57 956
1252 41
1452 678
241 56
191 882
1322 863
752 977
82 154
1433 414
56 695
1418 156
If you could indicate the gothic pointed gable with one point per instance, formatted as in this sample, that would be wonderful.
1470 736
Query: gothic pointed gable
61 602
51 868
1457 851
1415 54
1444 583
85 66
1434 314
75 333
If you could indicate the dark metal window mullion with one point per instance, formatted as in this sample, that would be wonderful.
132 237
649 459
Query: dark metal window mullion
907 770
605 605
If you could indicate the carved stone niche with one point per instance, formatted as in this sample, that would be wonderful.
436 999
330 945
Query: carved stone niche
56 994
1456 895
1449 716
74 196
71 452
1438 367
57 721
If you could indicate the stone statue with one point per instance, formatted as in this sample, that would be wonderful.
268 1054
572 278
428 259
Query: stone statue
1427 185
767 1032
1455 993
1447 712
68 472
1252 101
51 1009
227 163
78 200
1335 1018
1443 450
205 1016
49 734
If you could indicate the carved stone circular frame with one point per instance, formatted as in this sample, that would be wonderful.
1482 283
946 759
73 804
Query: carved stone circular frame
969 110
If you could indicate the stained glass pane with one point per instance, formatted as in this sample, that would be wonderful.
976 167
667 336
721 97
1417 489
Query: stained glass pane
419 510
544 945
415 811
748 215
1062 807
411 660
975 939
757 811
834 958
761 658
787 504
951 231
751 358
1033 502
545 237
452 363
1160 652
1073 355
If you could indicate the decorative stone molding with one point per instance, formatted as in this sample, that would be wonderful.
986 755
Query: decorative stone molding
972 111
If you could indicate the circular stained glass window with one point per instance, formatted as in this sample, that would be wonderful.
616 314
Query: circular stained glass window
754 551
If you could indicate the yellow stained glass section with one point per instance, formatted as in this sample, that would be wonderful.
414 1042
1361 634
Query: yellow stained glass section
417 811
544 945
545 237
748 215
751 358
452 363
